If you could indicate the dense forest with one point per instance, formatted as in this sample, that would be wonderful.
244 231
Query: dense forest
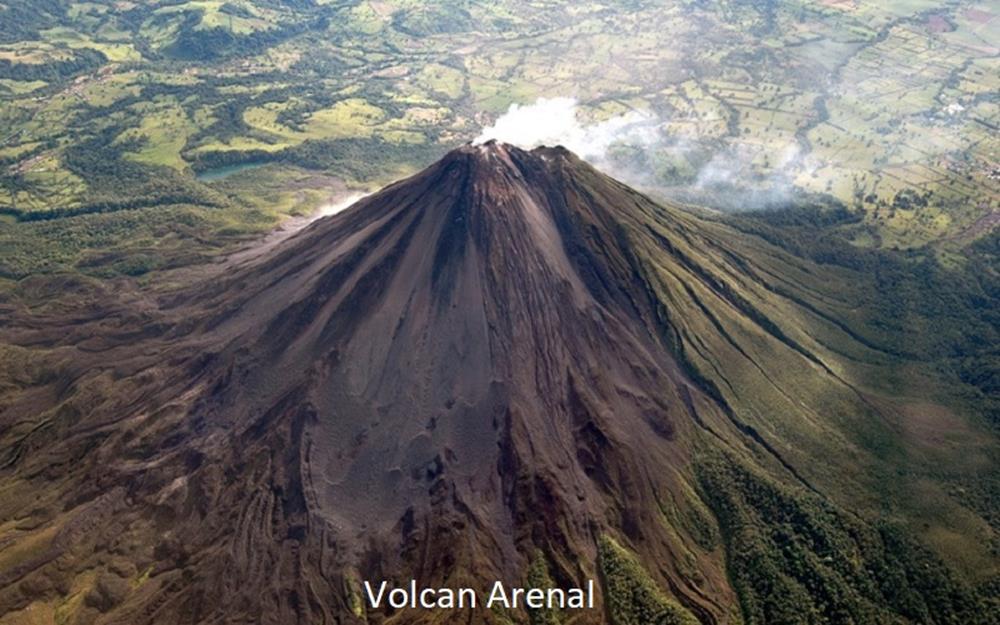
786 559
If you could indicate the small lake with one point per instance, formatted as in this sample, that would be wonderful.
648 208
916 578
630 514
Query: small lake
218 173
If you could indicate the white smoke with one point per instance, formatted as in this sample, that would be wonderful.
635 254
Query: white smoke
736 164
731 176
556 121
332 208
747 177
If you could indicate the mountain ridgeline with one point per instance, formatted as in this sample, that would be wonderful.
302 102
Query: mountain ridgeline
506 367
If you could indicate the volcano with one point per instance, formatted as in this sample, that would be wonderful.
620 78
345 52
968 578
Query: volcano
506 367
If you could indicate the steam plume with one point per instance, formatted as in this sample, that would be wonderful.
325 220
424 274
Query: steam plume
556 121
634 148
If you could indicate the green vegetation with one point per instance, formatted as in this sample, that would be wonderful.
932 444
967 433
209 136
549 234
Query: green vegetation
538 577
118 237
632 597
910 304
796 558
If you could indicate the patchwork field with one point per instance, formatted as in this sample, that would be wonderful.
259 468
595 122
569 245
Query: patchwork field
891 111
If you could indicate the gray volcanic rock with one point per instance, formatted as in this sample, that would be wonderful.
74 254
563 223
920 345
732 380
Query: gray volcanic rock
478 368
